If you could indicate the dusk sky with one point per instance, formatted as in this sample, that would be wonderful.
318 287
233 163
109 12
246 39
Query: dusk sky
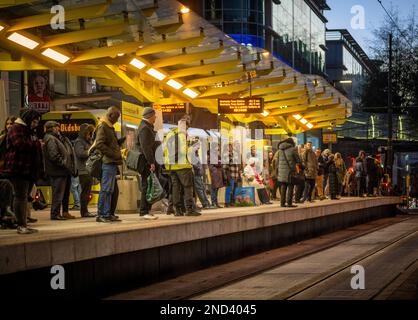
340 16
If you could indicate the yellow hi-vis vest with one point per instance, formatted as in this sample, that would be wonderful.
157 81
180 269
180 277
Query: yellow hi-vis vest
171 160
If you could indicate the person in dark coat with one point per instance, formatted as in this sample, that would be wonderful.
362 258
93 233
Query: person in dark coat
272 163
19 165
147 164
300 188
8 124
372 171
325 154
7 216
320 178
199 177
59 167
81 148
6 188
40 164
333 178
361 174
288 159
216 173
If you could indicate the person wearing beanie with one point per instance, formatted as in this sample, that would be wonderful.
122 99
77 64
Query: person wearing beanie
147 146
19 165
59 167
149 114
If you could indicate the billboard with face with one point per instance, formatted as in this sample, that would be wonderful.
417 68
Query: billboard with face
39 97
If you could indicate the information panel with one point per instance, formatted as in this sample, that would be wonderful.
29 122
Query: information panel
329 137
245 105
171 108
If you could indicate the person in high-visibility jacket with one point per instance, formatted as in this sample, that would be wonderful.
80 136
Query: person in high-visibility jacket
176 162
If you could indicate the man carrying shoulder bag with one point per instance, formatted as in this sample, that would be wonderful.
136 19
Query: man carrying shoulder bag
287 172
146 163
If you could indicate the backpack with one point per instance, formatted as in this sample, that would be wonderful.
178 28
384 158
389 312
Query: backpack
94 165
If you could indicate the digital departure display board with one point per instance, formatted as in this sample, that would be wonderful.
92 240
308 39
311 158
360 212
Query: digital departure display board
171 108
329 137
244 105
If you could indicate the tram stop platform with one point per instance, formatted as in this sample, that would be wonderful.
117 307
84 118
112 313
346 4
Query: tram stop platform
101 259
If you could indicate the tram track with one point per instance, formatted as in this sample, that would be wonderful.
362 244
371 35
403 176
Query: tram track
193 285
384 291
312 284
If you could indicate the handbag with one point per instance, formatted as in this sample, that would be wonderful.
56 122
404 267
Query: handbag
132 160
94 165
294 177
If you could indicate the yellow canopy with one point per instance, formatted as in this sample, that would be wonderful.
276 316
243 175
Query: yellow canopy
158 54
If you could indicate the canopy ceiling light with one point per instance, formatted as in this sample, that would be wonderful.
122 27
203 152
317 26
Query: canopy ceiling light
265 113
304 121
156 74
55 55
189 92
174 84
184 9
1 27
310 125
23 40
297 116
137 63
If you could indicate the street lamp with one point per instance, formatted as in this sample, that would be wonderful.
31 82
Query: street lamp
334 82
346 81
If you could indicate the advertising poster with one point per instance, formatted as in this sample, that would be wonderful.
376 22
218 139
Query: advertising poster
39 97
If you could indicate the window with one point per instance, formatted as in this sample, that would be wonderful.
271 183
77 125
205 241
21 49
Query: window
233 15
233 28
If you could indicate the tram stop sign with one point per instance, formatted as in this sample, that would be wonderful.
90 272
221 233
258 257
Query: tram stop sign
329 137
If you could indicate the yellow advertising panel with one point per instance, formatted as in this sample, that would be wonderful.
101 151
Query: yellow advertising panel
131 112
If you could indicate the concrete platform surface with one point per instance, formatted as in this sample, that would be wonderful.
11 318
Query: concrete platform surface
60 242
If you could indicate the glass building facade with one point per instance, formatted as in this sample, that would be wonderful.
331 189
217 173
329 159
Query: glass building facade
346 60
293 30
243 20
299 36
